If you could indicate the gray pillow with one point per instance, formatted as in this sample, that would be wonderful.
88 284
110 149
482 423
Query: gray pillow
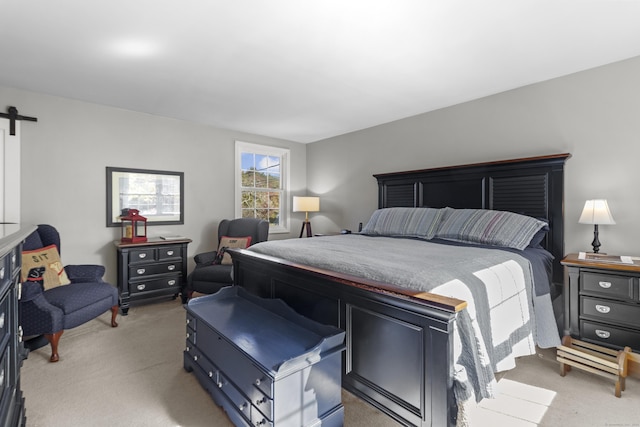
408 222
489 227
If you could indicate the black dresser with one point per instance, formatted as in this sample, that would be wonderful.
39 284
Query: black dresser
150 270
12 353
262 362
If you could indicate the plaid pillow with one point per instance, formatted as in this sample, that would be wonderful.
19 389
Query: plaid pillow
488 227
409 222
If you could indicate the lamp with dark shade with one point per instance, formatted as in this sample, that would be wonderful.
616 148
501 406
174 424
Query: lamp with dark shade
596 212
306 205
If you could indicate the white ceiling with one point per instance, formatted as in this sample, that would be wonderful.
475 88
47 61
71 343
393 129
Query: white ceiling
303 70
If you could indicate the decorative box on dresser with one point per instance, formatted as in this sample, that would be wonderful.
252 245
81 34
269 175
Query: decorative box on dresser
12 353
602 302
262 362
150 269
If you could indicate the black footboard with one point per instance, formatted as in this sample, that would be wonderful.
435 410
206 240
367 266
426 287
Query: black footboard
399 355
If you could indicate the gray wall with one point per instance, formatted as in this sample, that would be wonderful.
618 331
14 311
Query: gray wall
63 161
594 115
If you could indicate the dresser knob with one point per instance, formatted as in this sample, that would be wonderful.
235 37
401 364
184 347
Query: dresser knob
605 285
171 282
171 267
141 287
210 374
195 357
261 422
261 401
603 334
243 406
2 320
169 253
603 308
140 271
2 273
142 255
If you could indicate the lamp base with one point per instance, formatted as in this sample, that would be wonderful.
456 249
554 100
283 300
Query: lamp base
307 225
596 242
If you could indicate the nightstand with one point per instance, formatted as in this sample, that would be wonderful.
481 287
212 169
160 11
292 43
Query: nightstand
602 302
150 269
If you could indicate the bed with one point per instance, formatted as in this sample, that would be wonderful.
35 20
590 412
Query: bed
409 338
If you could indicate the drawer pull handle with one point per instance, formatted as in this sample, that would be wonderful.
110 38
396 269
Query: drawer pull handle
188 349
602 334
171 282
188 321
195 357
2 320
603 308
140 271
2 378
261 422
261 401
243 406
258 382
142 255
13 259
188 335
2 273
169 253
605 285
141 287
210 374
171 267
220 384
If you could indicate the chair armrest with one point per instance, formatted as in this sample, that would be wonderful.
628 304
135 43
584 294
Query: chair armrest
84 273
205 258
36 315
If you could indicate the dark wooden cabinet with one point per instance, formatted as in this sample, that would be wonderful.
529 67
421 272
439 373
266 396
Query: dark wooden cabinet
262 362
602 304
150 269
12 352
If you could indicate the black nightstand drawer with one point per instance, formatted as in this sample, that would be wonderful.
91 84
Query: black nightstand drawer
151 269
172 282
142 255
611 285
609 335
170 252
610 311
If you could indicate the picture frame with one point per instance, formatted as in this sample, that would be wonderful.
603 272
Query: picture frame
158 195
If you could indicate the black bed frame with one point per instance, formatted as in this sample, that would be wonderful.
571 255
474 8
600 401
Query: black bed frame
399 355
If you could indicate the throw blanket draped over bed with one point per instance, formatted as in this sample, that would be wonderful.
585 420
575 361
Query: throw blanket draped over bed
503 319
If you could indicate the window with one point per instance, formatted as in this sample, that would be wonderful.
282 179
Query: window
262 184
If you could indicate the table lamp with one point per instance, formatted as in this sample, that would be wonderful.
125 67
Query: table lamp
306 205
596 212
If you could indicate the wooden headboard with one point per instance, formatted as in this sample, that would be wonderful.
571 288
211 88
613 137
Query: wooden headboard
531 186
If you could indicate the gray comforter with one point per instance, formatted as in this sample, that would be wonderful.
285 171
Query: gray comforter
503 320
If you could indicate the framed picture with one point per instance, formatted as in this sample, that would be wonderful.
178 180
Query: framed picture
157 195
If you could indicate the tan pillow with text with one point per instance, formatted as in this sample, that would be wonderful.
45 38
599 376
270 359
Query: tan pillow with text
232 242
44 266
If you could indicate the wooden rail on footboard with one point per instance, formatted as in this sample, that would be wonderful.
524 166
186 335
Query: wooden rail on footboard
399 355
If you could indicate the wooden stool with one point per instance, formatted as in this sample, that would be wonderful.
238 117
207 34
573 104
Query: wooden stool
595 359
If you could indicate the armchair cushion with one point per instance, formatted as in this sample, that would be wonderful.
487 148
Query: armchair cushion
231 242
43 266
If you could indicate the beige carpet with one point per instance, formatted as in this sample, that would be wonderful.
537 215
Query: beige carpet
133 376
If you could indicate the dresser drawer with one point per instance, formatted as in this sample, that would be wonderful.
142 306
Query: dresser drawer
172 282
611 311
610 285
610 335
169 252
5 326
137 256
152 269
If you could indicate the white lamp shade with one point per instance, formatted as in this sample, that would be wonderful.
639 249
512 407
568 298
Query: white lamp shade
306 204
596 212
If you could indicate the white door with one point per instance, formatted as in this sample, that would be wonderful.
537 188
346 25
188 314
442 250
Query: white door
10 173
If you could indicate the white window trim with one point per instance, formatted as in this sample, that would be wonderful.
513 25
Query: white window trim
283 153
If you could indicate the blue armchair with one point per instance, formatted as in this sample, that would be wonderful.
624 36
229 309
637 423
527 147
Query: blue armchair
48 313
208 277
